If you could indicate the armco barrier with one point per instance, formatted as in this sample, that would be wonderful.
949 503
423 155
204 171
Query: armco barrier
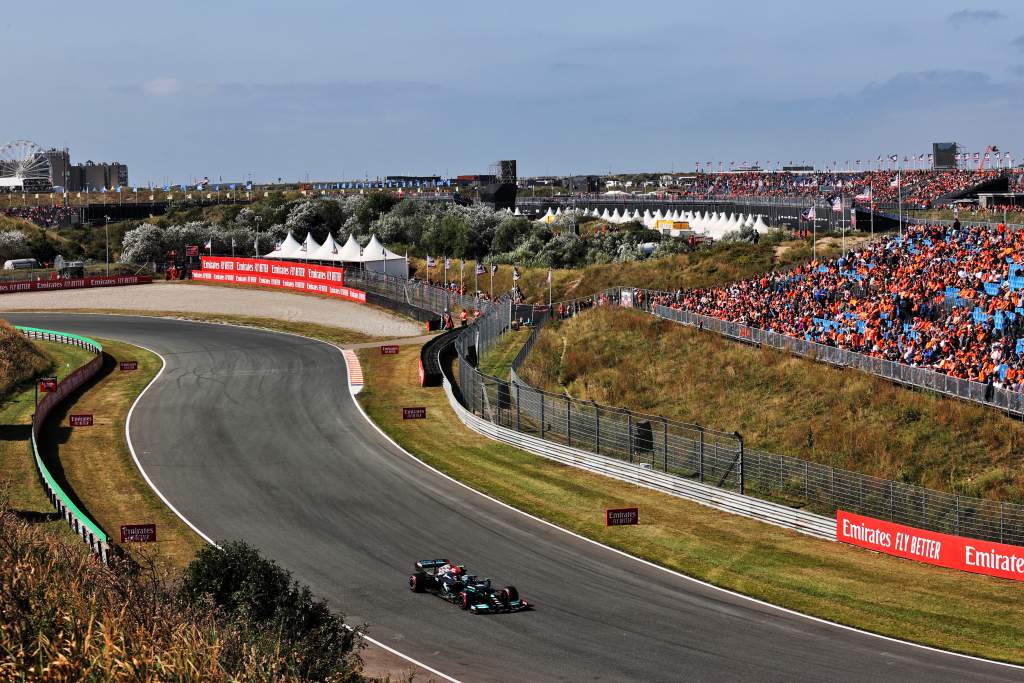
83 526
727 501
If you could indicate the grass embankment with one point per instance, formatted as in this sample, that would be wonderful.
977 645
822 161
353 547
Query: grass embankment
94 465
704 267
828 580
498 361
781 403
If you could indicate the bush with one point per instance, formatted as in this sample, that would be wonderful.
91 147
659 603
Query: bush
270 606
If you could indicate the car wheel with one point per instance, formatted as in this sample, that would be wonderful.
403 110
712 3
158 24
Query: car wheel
463 600
416 583
509 594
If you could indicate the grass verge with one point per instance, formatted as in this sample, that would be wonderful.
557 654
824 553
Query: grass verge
839 417
840 583
498 361
94 465
17 466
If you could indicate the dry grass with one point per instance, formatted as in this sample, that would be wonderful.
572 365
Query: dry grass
781 403
94 466
498 361
702 268
20 360
832 581
65 618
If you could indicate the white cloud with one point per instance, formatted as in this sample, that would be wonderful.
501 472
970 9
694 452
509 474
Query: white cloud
162 87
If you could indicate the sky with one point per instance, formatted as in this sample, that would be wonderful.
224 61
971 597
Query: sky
339 90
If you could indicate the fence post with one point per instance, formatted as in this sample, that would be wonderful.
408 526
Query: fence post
542 414
483 401
597 429
742 473
956 516
664 440
1000 521
700 456
517 407
568 421
629 433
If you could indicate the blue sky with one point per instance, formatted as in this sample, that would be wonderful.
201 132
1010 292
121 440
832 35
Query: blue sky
224 88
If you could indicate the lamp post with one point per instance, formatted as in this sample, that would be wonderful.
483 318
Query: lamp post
106 231
256 245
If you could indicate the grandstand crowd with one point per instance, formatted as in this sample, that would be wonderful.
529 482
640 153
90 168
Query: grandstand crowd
950 299
922 188
44 216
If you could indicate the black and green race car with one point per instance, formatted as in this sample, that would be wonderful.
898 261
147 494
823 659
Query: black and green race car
470 592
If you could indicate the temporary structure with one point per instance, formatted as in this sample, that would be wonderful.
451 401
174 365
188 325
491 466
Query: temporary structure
328 251
382 260
760 225
286 249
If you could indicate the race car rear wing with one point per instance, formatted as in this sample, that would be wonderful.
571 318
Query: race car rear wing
430 564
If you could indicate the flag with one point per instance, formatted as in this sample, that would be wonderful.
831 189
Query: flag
232 242
256 245
479 269
209 244
431 262
810 214
277 246
515 274
494 268
894 157
549 276
837 204
447 263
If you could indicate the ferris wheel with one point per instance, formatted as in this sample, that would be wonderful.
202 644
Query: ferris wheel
23 165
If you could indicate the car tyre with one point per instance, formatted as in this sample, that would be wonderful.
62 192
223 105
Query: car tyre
416 583
463 600
509 594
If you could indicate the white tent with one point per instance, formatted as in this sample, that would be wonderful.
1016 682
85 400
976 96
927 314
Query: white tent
605 216
558 212
382 260
749 223
351 252
760 225
286 249
636 216
517 212
308 247
616 217
328 251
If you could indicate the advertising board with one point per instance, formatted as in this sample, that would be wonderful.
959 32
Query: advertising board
930 547
418 413
73 283
621 516
138 533
301 277
80 420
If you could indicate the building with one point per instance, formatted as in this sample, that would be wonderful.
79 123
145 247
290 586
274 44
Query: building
90 176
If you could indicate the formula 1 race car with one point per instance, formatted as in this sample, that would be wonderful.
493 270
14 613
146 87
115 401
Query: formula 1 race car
468 591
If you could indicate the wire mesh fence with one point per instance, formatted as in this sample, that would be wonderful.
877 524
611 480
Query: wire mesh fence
712 457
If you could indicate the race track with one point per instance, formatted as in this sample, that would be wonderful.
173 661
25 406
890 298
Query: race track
254 435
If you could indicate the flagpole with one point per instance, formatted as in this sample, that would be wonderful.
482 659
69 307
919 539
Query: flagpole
492 282
871 205
899 196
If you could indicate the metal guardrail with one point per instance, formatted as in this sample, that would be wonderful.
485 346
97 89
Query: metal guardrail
727 501
83 526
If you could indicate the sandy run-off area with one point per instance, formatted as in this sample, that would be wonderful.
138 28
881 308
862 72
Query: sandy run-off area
193 298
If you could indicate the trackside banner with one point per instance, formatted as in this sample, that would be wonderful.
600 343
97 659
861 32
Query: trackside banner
943 550
300 277
73 283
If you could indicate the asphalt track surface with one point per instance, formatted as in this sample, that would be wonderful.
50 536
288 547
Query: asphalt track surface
254 435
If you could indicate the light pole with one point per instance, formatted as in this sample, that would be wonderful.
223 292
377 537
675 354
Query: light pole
106 231
256 244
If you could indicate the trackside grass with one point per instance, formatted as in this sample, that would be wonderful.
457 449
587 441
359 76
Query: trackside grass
943 608
498 361
96 466
781 403
18 475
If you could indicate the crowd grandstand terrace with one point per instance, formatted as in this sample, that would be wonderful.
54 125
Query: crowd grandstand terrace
945 298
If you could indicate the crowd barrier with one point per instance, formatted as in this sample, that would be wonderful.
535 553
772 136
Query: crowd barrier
9 287
88 530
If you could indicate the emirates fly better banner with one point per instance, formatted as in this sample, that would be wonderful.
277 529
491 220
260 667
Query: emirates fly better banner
301 277
955 552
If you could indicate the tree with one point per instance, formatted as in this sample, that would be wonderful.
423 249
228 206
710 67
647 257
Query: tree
13 244
143 244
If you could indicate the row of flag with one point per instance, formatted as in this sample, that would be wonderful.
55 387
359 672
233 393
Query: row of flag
993 155
480 270
383 184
